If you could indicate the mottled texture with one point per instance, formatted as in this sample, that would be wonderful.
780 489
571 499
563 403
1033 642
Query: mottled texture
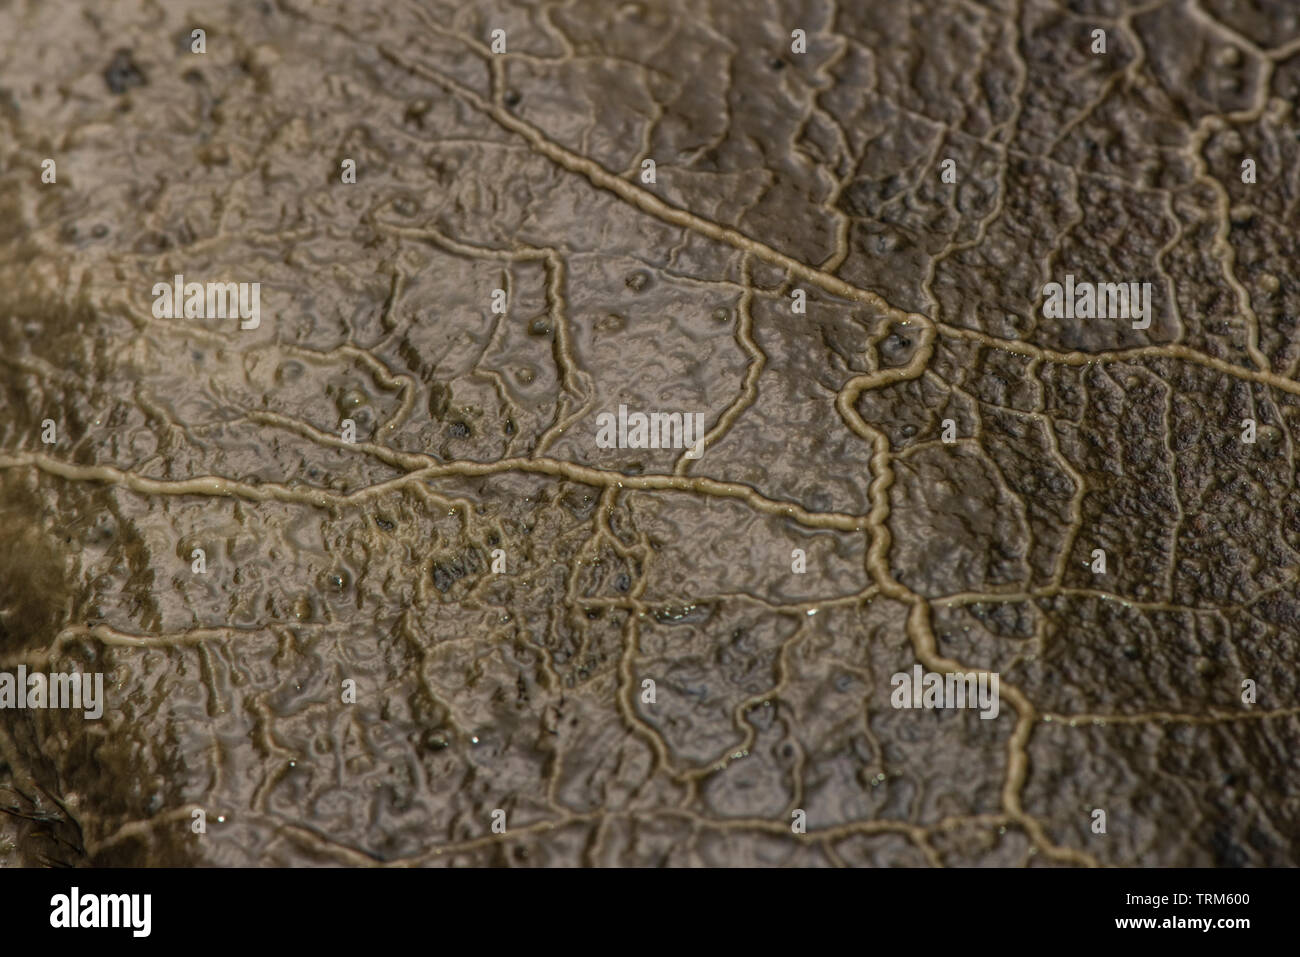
776 172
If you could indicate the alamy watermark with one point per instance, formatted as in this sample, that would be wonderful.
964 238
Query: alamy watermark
213 300
81 691
654 430
1101 300
928 689
75 909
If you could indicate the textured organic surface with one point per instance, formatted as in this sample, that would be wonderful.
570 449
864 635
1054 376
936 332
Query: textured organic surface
776 171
